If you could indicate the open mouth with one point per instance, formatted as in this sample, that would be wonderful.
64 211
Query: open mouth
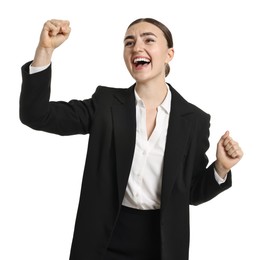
141 62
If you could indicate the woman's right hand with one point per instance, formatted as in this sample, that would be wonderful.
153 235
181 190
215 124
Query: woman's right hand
53 34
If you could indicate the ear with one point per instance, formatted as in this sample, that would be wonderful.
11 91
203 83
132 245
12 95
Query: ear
170 55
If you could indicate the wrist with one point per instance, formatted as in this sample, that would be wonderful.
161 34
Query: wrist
42 57
220 169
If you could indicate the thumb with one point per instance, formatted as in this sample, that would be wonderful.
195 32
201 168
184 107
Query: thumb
224 136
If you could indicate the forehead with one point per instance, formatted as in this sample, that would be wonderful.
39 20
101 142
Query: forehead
144 27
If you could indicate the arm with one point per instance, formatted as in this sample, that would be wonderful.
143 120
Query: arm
204 186
35 109
63 118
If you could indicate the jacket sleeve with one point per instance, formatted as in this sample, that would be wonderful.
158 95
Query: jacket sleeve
204 186
38 112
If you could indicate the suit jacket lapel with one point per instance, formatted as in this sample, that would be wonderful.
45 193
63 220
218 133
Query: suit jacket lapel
124 120
177 136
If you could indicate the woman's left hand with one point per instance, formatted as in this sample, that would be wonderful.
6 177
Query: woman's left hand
228 154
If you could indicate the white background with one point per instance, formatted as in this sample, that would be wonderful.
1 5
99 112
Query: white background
215 67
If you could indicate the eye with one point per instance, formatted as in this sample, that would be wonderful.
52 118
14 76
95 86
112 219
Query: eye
129 43
149 40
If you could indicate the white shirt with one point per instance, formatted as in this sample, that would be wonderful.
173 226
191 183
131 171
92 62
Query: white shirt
143 190
144 185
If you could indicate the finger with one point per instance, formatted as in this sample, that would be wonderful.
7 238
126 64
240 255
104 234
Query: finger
235 151
228 141
60 22
235 154
63 25
66 30
55 27
238 153
232 152
51 28
223 137
229 144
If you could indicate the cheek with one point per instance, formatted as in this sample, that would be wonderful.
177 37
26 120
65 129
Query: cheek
126 59
125 55
163 58
159 57
157 52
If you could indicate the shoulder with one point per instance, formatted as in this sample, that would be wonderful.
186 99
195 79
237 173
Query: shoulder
105 90
106 95
199 111
179 103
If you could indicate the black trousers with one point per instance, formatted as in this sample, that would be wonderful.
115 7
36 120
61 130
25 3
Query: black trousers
136 236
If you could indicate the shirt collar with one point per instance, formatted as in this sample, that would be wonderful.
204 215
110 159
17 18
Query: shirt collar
165 105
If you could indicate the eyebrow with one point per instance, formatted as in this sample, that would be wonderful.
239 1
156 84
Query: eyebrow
142 35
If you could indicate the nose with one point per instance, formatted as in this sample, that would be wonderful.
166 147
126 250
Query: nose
138 46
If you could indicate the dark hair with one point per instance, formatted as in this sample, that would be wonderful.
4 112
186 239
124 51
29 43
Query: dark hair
163 28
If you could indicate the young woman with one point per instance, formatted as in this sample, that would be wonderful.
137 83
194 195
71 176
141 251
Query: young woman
146 159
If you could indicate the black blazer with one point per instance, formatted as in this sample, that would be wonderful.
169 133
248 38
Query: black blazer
109 119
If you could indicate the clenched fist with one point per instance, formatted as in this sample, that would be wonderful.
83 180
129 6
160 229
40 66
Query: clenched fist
228 154
53 34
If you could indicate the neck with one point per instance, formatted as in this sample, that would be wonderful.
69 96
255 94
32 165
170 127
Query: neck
152 94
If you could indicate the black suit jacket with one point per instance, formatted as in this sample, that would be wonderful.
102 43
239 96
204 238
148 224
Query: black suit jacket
109 119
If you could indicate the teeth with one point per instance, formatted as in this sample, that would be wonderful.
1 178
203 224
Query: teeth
140 60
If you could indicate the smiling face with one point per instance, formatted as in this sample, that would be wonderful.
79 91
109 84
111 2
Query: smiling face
146 52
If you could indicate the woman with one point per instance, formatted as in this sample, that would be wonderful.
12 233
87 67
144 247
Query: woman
146 159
